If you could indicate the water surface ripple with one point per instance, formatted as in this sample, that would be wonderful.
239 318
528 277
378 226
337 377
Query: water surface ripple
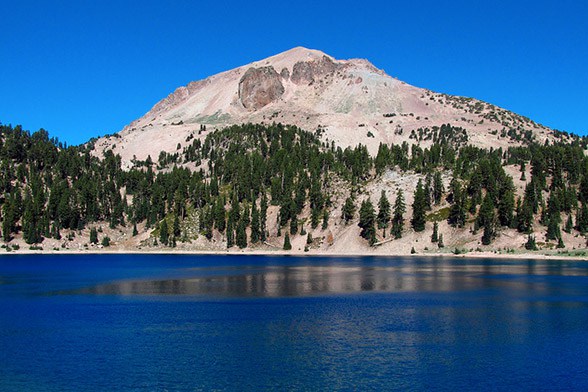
169 322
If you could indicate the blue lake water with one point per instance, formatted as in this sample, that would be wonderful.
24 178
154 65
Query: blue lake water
171 322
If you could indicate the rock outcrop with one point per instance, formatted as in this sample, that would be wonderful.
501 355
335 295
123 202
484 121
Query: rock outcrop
305 72
259 87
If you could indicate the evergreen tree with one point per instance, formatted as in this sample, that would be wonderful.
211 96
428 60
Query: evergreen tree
506 205
93 236
457 211
348 210
435 235
8 221
398 216
293 226
419 207
486 219
309 239
287 245
230 233
220 215
314 217
263 217
135 231
164 232
553 218
241 239
367 221
30 229
438 188
427 192
55 231
255 225
524 217
569 224
383 211
176 227
325 224
531 244
440 243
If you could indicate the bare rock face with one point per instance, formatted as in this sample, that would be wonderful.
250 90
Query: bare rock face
302 73
285 74
259 87
305 72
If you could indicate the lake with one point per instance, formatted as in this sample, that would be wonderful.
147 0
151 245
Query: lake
190 323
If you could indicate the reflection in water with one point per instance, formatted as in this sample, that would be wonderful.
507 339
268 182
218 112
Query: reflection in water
171 323
286 281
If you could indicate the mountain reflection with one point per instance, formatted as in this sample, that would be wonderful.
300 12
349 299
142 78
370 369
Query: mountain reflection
289 281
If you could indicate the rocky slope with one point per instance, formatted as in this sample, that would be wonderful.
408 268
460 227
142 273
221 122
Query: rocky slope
351 101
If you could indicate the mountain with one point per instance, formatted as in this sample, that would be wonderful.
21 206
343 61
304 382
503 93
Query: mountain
302 153
350 101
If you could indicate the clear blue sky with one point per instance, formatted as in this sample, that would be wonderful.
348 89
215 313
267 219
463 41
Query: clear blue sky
85 68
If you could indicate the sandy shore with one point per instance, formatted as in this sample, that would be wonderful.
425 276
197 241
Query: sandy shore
265 252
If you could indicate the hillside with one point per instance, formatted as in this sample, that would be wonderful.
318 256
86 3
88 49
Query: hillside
350 101
256 188
300 153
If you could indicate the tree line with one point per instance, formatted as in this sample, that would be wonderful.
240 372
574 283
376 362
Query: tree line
47 187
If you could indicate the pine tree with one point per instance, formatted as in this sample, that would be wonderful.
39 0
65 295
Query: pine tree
164 232
230 232
524 217
309 239
486 219
135 231
531 244
176 227
582 218
293 226
383 211
569 224
30 230
325 224
263 217
348 210
367 221
457 211
435 235
241 235
55 231
506 204
314 217
440 243
553 218
427 192
93 236
398 216
220 215
287 245
438 188
419 207
255 231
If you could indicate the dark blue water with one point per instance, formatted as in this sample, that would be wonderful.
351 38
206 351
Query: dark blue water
134 322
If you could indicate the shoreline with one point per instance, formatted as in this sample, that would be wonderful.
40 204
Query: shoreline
261 252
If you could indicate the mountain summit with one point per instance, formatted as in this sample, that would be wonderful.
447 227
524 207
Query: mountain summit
349 101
